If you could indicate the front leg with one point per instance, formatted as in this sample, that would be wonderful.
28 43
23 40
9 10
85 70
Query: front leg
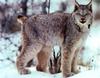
75 61
67 55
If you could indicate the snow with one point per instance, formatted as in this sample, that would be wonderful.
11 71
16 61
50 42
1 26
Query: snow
11 72
92 45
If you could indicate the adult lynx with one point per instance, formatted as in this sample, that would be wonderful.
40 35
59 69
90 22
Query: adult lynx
41 32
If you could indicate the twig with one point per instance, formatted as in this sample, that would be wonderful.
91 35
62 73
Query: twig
49 7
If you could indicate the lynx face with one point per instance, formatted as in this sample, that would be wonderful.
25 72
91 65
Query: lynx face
82 16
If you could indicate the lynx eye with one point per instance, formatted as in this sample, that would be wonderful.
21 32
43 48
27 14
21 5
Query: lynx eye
86 14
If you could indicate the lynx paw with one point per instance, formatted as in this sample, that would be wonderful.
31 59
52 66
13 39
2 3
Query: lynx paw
68 75
24 71
76 71
40 68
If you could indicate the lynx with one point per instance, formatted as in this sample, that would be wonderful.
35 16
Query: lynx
40 33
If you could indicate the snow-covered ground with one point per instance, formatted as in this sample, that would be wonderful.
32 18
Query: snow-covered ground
11 72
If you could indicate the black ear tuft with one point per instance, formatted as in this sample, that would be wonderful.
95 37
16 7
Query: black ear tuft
76 6
89 5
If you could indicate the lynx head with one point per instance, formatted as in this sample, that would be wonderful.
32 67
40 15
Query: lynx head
83 16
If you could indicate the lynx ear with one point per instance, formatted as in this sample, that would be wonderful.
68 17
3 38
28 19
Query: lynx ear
90 5
21 19
76 6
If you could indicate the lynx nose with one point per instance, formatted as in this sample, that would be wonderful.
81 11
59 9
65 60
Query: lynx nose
82 20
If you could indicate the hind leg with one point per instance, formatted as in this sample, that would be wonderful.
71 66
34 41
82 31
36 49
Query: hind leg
43 58
27 54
